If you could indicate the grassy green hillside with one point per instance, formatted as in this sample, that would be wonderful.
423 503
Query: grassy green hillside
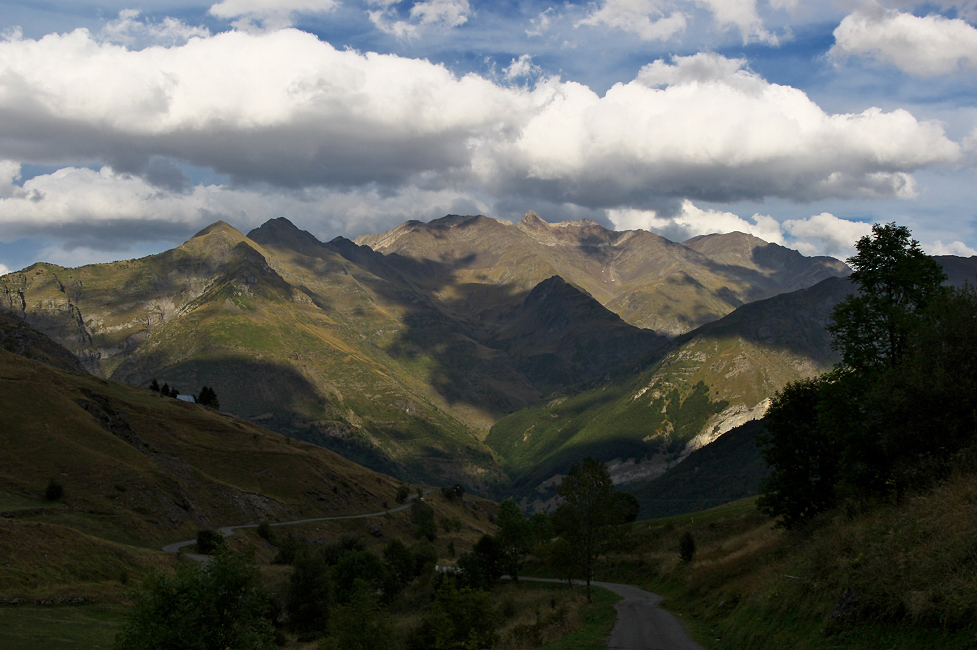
141 469
605 422
138 470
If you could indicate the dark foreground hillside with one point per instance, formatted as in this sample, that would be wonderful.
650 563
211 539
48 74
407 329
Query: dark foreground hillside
901 576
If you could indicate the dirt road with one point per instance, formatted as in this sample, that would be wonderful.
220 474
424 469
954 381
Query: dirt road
228 531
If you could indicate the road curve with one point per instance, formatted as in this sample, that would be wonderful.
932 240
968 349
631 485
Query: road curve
228 531
641 623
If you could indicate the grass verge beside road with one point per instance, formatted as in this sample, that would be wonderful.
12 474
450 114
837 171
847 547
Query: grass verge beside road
596 621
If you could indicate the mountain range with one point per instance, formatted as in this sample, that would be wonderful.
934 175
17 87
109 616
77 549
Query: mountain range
403 350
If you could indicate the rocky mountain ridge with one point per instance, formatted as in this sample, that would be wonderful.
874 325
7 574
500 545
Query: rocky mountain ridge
649 281
402 355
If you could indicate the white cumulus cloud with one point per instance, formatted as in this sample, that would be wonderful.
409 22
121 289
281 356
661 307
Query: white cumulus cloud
826 234
821 234
271 14
660 20
925 46
646 18
953 248
522 67
128 30
541 23
743 15
691 221
443 14
284 112
714 133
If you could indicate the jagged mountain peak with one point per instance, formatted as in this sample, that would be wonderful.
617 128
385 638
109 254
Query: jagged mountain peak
556 286
532 220
724 242
220 227
214 241
283 233
575 233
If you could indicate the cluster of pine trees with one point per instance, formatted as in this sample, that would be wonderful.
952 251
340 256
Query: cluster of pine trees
207 396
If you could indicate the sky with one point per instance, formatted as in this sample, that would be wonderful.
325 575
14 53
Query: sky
127 125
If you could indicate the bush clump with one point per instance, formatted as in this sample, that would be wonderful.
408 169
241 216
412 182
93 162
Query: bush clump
54 491
209 541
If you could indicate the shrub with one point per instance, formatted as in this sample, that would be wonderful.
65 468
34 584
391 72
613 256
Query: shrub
203 607
463 618
402 493
362 625
686 546
307 602
334 551
209 541
358 565
400 561
266 533
422 515
288 549
54 490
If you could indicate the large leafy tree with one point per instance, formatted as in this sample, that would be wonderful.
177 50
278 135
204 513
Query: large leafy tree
896 280
803 456
308 596
513 537
867 430
590 516
922 412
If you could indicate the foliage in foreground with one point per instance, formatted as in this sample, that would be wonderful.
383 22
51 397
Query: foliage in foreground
210 607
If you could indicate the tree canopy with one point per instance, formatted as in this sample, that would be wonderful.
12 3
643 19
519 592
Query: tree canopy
590 517
214 606
896 413
896 280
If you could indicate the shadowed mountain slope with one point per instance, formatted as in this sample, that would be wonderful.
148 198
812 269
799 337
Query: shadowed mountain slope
18 337
726 470
560 336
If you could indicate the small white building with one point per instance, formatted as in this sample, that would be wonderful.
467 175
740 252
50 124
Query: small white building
187 398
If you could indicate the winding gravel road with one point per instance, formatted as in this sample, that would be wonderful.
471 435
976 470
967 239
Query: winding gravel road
641 623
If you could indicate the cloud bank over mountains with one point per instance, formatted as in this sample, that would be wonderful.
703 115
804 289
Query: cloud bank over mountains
152 127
